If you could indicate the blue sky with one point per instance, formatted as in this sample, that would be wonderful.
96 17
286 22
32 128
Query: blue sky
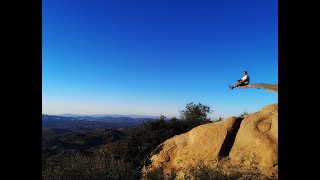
154 57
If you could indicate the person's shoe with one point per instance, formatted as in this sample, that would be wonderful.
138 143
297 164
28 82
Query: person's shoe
231 87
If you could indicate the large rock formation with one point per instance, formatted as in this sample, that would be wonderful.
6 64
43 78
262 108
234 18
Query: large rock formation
243 144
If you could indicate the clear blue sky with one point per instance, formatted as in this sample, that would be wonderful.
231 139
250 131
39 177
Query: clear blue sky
153 57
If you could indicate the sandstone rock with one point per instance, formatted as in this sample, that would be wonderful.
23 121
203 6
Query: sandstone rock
257 141
247 144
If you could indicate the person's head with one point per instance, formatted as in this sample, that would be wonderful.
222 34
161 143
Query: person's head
245 72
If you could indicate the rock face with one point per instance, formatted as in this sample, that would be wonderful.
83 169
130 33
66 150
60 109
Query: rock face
247 144
256 143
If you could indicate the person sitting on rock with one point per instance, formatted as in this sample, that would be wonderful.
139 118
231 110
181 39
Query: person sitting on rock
243 81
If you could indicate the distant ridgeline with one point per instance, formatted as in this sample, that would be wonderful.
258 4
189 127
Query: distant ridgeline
77 123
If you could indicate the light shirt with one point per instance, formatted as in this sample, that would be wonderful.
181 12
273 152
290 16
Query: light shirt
245 79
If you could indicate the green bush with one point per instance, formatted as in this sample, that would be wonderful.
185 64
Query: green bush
196 114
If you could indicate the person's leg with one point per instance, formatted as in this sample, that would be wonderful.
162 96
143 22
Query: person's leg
242 84
238 84
235 85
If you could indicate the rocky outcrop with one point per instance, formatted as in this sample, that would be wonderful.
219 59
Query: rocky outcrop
243 144
270 87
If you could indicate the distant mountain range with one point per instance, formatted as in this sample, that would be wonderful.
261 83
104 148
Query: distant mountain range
90 122
106 115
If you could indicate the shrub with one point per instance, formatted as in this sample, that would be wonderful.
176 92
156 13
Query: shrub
196 114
